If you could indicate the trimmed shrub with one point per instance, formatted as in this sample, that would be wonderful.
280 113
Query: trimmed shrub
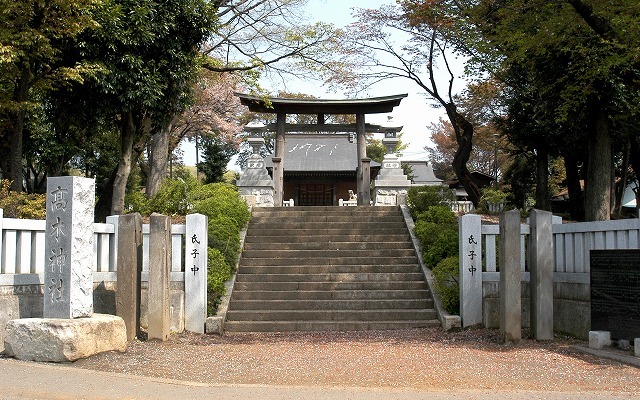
218 273
222 199
446 275
444 246
420 198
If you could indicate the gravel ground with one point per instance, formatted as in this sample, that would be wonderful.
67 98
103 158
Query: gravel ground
417 359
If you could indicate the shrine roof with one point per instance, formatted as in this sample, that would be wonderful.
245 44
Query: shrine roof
274 105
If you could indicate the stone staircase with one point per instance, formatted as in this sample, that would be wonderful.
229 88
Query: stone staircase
328 268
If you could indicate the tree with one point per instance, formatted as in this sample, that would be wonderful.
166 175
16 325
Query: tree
571 67
36 42
370 46
216 154
150 52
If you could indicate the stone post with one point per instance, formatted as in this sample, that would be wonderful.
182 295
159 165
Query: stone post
68 272
541 267
364 193
278 181
129 270
470 248
159 269
195 276
510 277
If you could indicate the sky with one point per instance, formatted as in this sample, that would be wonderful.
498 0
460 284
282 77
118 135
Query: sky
415 112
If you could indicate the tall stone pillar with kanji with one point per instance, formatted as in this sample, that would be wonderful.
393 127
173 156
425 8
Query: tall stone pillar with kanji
68 273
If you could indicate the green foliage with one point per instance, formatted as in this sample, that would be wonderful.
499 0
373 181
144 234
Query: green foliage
218 273
175 197
420 198
21 205
222 199
437 230
224 235
216 154
446 285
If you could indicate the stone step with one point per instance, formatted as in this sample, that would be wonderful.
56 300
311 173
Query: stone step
255 261
328 269
320 237
315 326
325 218
262 295
315 286
331 277
325 210
337 224
279 254
330 315
326 231
385 304
332 245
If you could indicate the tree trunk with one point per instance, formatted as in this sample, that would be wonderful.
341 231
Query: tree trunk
542 180
464 137
158 160
598 182
576 197
128 131
14 170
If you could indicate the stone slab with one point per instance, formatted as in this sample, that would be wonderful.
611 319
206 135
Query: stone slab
636 347
159 305
64 340
470 253
541 265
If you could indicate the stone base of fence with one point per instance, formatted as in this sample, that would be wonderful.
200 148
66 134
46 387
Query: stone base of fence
25 298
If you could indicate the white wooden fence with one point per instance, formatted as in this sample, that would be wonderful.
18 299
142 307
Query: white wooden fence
22 247
572 244
22 258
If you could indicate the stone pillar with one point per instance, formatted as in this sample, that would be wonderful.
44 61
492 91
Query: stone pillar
129 270
541 266
470 248
364 177
255 184
195 275
278 170
68 272
510 277
277 177
159 269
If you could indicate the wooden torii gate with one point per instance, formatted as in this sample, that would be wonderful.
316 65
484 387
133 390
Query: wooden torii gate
321 107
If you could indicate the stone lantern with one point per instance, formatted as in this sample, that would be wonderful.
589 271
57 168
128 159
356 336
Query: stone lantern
390 187
255 184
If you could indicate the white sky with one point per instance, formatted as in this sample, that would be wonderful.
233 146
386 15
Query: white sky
415 112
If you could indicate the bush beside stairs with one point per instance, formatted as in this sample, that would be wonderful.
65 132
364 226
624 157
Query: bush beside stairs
328 268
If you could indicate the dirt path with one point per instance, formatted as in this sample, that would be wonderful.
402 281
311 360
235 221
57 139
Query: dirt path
415 359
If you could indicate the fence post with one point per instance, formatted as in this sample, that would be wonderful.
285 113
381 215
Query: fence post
541 266
470 256
159 269
195 273
510 277
128 242
1 237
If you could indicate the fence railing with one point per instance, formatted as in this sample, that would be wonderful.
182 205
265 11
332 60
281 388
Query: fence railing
572 243
22 246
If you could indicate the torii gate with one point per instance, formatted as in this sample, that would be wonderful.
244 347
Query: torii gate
320 107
